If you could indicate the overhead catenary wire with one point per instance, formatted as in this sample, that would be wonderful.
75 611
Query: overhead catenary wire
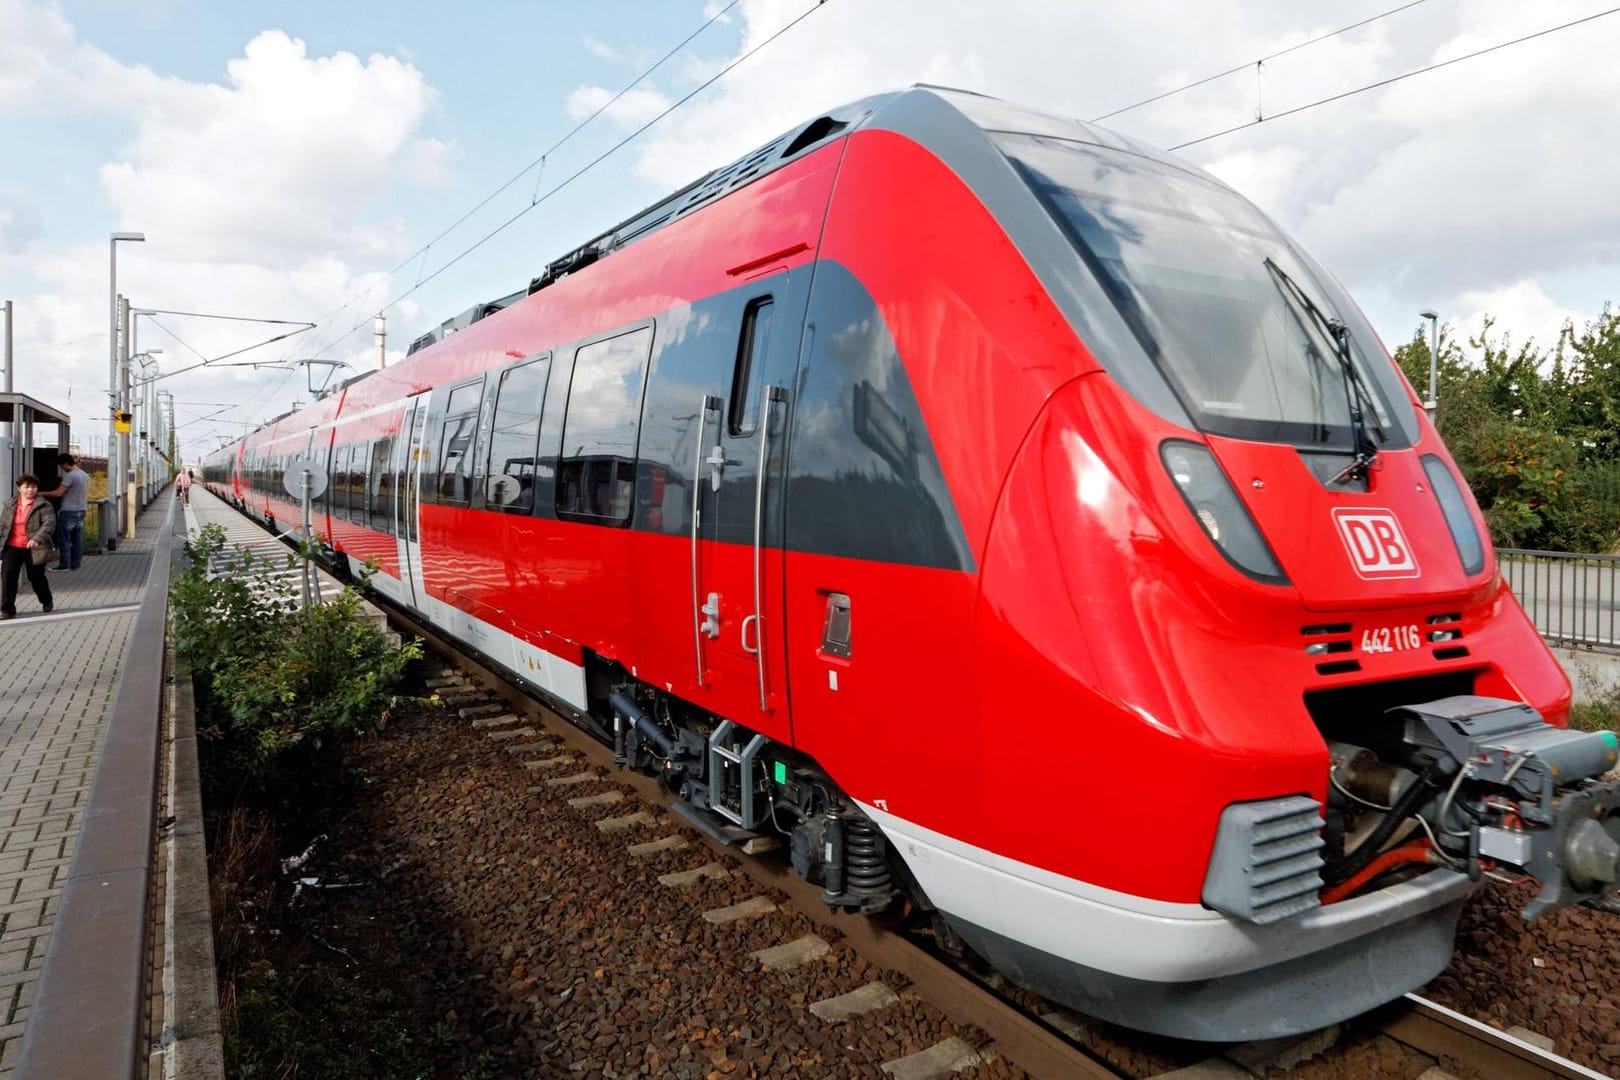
214 361
422 251
540 199
1396 78
1255 63
587 167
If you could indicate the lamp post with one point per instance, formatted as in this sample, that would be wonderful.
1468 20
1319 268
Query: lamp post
145 482
5 427
114 474
1432 405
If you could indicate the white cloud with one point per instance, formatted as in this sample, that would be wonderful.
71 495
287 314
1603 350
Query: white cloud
259 196
1522 311
602 50
20 224
1485 186
282 160
1465 181
635 108
44 67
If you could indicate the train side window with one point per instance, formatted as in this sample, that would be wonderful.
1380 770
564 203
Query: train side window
357 482
749 375
596 475
381 484
334 482
509 472
455 443
348 500
322 455
338 486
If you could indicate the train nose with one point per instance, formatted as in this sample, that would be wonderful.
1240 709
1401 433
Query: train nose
1343 547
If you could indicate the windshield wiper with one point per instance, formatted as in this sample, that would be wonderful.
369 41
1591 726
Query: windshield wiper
1356 393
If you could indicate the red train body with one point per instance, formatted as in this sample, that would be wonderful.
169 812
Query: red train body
903 479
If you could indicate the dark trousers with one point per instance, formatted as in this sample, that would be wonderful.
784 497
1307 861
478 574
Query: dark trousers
14 561
70 538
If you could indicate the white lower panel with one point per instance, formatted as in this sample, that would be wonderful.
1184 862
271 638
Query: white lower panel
1131 935
541 669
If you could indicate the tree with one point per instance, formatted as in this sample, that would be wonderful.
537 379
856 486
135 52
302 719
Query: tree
1537 435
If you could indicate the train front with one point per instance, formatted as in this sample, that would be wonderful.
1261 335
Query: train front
1282 711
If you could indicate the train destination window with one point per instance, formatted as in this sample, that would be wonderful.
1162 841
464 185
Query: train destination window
455 442
750 371
596 475
509 471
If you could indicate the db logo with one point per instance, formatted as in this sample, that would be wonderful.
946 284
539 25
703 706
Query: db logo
1377 547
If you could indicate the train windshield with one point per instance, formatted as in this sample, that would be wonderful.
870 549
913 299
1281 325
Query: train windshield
1190 266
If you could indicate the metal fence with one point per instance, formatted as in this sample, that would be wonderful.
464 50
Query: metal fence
1573 599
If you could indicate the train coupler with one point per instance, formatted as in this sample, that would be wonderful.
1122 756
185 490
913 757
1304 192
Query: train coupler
1523 795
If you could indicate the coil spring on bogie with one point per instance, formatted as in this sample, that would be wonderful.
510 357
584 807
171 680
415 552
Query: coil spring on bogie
866 870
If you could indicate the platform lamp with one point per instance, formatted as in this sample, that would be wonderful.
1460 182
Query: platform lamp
1432 404
114 475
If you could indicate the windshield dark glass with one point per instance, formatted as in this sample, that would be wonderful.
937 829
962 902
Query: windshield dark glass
1185 262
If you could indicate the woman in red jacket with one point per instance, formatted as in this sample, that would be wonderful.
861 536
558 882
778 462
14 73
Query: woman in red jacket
30 523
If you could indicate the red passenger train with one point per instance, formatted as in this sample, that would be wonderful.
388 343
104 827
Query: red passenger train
1014 519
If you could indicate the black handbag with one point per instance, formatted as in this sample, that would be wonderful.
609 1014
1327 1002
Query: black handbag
42 556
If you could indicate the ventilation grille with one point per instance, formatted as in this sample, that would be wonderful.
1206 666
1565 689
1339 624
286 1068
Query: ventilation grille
1327 639
1267 863
729 178
1445 630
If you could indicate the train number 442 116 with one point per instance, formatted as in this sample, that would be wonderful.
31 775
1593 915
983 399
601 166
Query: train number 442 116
1381 639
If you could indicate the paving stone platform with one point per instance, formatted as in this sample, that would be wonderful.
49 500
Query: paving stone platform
56 691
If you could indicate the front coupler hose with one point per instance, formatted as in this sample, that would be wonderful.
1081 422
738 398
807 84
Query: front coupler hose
1431 780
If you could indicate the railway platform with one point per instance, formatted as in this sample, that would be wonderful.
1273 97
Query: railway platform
60 680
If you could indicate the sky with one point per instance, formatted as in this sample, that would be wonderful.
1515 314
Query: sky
319 162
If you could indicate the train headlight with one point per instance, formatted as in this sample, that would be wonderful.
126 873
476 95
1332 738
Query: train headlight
1455 509
1220 512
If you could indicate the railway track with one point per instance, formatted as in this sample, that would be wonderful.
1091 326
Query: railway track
1044 1042
1052 1042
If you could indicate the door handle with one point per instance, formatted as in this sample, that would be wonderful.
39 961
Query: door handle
769 396
700 625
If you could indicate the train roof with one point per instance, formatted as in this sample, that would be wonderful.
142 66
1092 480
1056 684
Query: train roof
987 113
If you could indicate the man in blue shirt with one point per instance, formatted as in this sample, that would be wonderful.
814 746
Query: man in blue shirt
75 493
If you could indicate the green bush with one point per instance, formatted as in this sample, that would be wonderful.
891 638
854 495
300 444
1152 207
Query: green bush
281 689
1599 713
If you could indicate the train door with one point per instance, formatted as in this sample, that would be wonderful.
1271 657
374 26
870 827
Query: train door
408 500
316 506
320 452
738 525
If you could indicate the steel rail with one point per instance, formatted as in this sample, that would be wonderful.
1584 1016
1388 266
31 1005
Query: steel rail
1024 1040
1423 1025
1439 1032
